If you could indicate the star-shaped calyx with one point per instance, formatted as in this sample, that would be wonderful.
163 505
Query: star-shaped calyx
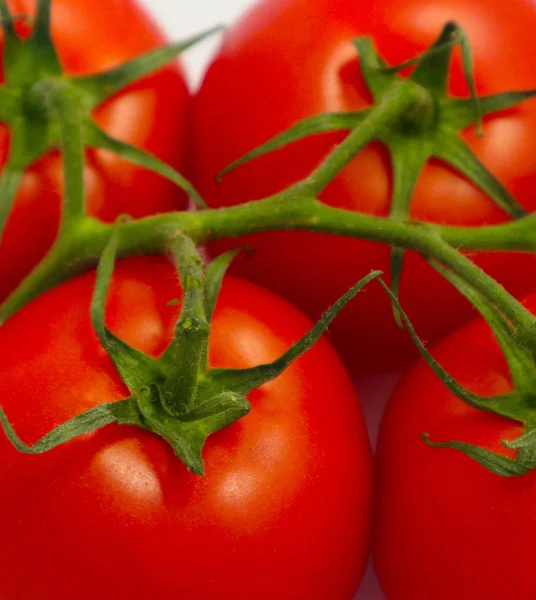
429 127
45 109
178 396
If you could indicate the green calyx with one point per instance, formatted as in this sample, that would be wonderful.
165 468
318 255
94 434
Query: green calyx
178 396
45 109
518 405
417 120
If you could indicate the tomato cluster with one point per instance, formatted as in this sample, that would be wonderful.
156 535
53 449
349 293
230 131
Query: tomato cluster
286 506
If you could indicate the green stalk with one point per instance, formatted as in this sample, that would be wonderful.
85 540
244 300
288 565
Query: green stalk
152 235
62 99
189 347
404 96
307 214
492 290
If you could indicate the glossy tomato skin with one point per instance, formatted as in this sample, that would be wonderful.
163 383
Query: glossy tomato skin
151 114
446 527
290 59
283 511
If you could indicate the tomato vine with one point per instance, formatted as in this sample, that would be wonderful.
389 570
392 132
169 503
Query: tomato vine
60 107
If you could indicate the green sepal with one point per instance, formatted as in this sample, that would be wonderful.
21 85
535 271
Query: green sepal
187 438
102 86
226 403
124 412
398 257
41 39
136 369
243 381
323 123
436 57
450 148
374 69
459 113
496 463
468 67
95 137
508 405
416 60
519 359
215 273
433 66
9 184
19 63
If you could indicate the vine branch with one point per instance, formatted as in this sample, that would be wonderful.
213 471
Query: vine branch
151 235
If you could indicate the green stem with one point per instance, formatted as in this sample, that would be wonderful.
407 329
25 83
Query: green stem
513 236
71 255
151 236
63 99
185 354
404 96
306 214
494 292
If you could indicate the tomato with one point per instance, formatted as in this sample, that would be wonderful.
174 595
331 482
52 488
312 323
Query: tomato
283 510
290 59
446 527
152 114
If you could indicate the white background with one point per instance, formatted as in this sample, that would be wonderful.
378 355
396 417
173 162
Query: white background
181 19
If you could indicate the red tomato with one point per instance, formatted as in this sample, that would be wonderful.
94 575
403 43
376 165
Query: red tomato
283 511
446 527
108 33
291 59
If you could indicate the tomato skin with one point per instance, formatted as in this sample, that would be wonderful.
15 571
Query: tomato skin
290 59
446 527
283 510
109 33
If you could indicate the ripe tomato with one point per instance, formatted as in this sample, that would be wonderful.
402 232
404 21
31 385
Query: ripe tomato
108 33
283 510
290 59
446 527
